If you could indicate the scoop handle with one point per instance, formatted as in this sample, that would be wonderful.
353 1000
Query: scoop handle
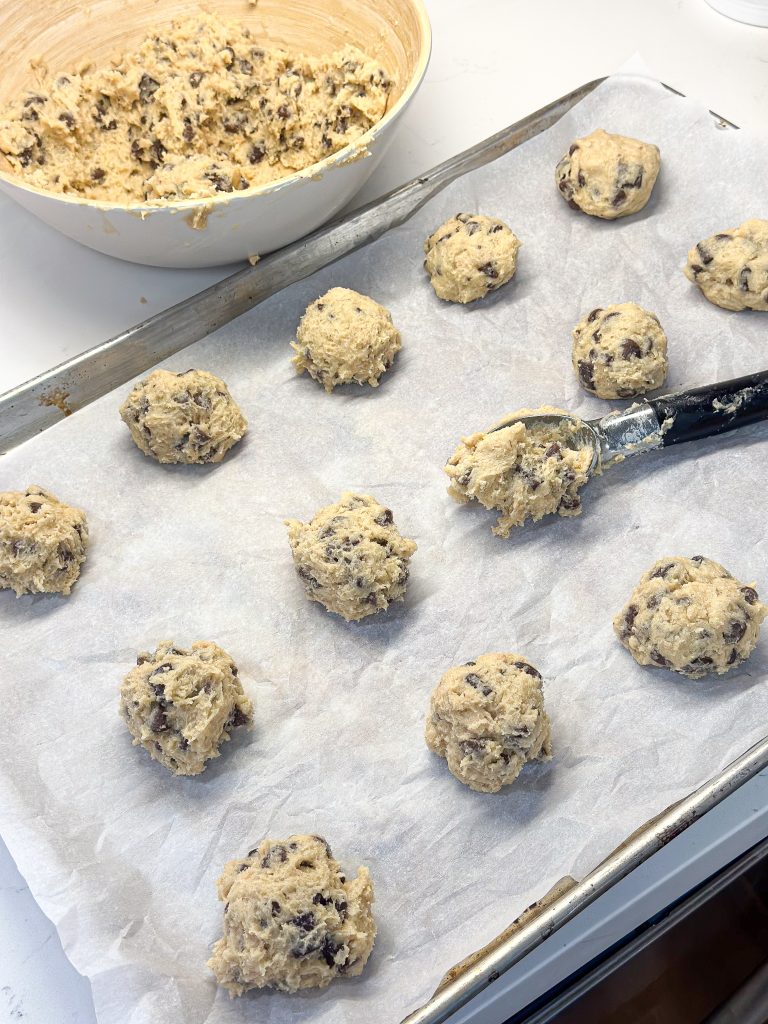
712 409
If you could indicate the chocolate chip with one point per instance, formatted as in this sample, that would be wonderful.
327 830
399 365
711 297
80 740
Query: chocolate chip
143 658
304 922
219 181
229 55
157 720
658 659
735 632
67 119
750 595
471 227
618 197
237 718
570 502
696 269
283 111
158 151
594 315
733 657
64 554
525 667
629 620
744 278
275 908
276 853
256 154
494 228
489 270
706 257
246 67
474 680
320 900
384 518
328 950
573 149
702 662
662 571
147 87
35 506
161 669
581 179
587 374
195 78
554 449
98 174
188 132
630 349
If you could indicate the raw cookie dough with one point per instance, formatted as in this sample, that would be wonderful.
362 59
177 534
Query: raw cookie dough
351 556
469 256
199 109
291 918
620 351
608 176
487 719
691 616
183 417
42 542
731 268
182 705
343 337
523 472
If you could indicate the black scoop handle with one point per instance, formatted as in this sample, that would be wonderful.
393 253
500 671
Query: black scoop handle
713 409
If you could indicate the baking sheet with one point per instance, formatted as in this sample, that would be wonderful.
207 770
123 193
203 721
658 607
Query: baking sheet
123 857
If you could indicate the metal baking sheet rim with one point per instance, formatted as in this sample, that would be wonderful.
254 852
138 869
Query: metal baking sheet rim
32 407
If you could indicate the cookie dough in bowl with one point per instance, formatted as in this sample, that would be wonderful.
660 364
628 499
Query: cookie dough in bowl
182 705
731 268
183 417
691 616
608 176
42 542
487 719
620 351
522 471
469 256
345 337
292 919
351 557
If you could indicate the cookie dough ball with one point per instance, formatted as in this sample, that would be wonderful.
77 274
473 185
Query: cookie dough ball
42 542
351 557
487 719
731 268
608 176
620 351
345 337
524 472
691 616
292 920
183 417
469 256
182 705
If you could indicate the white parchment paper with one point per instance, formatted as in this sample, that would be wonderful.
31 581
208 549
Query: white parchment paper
123 857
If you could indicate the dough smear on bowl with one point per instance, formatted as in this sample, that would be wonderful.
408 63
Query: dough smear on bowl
522 471
200 108
292 919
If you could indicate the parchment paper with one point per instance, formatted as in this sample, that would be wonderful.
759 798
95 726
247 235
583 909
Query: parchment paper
123 857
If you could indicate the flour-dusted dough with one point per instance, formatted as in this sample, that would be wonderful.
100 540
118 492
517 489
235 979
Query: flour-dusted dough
292 920
691 616
524 472
183 417
345 337
731 268
42 542
201 108
469 256
181 705
487 719
620 351
351 557
607 175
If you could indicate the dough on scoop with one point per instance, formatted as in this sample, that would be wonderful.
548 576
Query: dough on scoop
351 556
608 176
291 918
183 417
731 268
524 472
345 337
182 705
620 351
469 256
691 616
42 542
487 719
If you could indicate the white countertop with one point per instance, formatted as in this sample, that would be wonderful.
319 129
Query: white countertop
493 62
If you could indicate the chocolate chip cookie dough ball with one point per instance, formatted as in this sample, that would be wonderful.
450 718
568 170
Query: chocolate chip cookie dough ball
522 471
183 417
731 268
42 542
182 705
691 616
487 719
608 176
345 337
351 556
469 256
292 920
620 351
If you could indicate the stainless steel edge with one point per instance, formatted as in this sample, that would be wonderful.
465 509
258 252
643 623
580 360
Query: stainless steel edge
32 407
626 858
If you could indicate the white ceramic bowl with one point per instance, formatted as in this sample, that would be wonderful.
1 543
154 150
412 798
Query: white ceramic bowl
237 225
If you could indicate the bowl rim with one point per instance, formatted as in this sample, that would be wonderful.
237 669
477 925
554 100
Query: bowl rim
348 154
